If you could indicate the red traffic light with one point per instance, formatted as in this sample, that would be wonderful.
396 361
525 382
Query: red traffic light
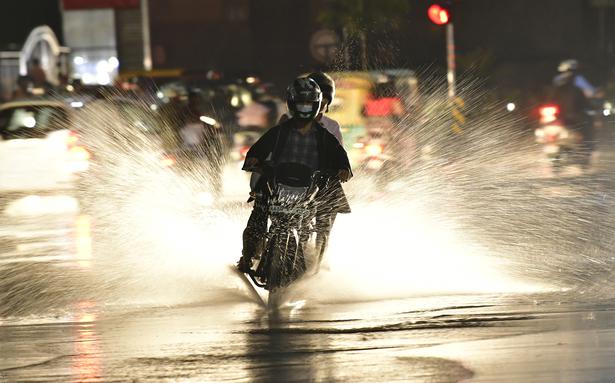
438 14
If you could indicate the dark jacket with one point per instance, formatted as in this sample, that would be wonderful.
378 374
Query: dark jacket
331 156
571 99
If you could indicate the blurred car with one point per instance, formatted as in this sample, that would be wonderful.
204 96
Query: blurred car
119 130
220 101
40 152
353 90
136 116
59 146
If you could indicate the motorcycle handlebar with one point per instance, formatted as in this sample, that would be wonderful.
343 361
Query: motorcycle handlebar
269 166
329 173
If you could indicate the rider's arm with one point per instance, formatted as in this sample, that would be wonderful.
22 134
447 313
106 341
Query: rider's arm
337 132
260 150
587 88
340 158
332 127
250 162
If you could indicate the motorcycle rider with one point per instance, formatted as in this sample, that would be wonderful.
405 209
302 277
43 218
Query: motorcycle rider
570 69
573 93
327 218
300 139
327 87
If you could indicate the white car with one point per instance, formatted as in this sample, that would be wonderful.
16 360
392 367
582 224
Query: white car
39 151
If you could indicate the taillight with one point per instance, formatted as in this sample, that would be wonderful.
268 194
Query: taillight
71 139
78 155
167 161
548 113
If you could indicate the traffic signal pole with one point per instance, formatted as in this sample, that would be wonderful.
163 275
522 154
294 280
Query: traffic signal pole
145 33
439 12
450 59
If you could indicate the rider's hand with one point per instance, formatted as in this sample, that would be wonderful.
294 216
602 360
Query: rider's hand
344 175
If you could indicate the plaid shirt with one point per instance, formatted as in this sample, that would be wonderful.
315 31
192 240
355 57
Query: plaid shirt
301 149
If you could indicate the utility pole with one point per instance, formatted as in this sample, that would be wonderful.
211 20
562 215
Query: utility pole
147 49
439 12
450 59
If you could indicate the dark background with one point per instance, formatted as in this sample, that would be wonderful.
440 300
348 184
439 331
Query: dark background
509 44
18 18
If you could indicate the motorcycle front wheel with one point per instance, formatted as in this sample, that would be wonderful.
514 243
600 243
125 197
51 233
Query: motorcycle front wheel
282 253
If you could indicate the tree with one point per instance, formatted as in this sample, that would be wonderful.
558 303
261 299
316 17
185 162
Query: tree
356 17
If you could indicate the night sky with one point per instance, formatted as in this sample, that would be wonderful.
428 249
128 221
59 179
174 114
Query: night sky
522 39
19 17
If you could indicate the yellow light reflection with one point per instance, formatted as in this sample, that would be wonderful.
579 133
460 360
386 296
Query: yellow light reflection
86 363
83 240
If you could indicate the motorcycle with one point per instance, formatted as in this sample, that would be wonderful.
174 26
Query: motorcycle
559 142
378 160
291 206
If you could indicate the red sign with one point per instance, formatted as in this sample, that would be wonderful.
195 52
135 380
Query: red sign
96 4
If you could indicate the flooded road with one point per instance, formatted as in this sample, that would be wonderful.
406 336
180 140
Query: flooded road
67 317
145 294
430 339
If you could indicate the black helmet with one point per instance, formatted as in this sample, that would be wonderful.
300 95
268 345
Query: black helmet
303 98
326 84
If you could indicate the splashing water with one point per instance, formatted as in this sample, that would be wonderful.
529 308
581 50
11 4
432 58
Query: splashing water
162 244
473 218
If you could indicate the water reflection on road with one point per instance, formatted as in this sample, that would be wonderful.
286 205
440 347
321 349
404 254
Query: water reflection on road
234 341
87 357
430 339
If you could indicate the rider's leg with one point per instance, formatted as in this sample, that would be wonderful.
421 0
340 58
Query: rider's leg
253 236
324 223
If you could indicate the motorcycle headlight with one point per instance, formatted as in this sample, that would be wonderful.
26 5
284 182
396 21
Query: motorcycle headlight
373 149
208 120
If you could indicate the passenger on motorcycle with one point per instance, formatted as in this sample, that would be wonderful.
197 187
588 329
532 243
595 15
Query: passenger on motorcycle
324 221
327 87
301 139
